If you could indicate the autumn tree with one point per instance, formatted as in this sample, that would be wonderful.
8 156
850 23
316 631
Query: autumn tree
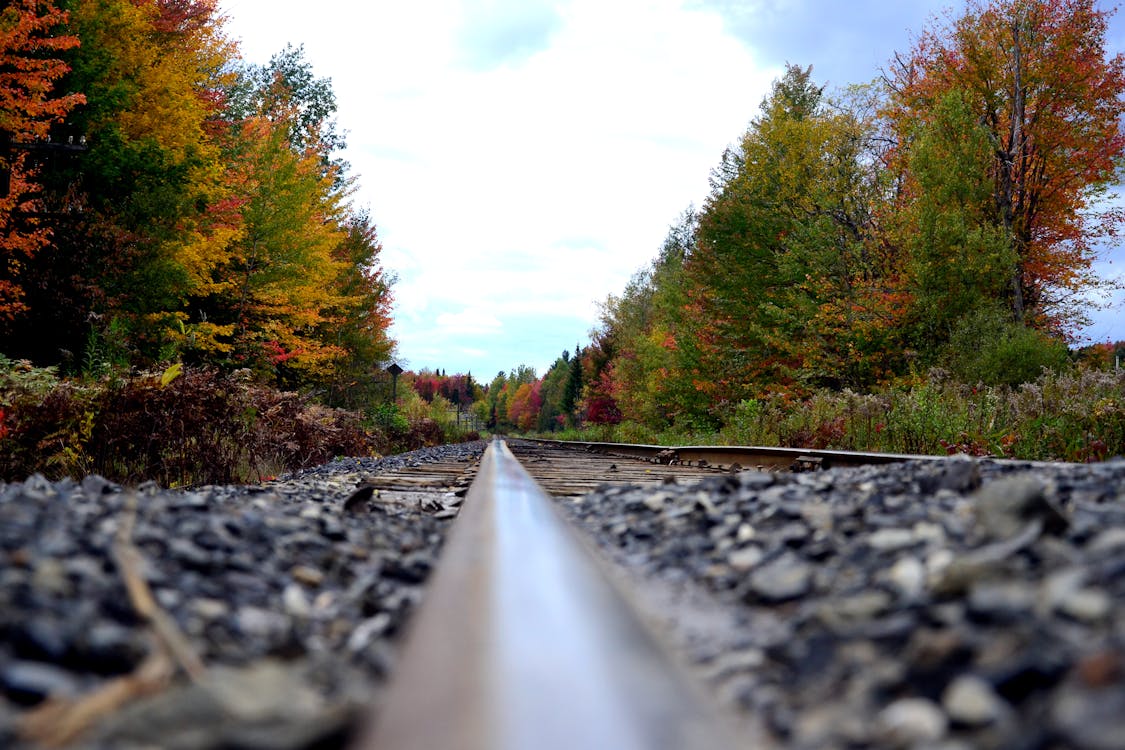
359 321
210 220
30 66
598 404
959 259
459 390
283 266
655 370
287 90
425 385
1036 76
947 214
786 285
552 414
136 207
524 405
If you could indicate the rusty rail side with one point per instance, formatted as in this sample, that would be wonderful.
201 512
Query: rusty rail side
521 643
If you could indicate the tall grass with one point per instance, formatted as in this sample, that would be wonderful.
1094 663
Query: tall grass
1078 415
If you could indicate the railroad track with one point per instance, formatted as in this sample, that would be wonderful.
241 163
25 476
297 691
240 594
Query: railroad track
956 602
522 642
570 469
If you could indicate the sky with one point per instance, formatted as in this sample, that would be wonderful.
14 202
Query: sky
522 159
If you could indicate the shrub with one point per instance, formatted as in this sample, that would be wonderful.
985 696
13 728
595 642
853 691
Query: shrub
414 424
199 428
988 347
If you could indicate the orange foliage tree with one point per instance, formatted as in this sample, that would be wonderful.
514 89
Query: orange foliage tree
523 408
29 68
1038 82
207 222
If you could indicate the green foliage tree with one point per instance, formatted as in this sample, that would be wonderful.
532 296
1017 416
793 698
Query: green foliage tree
959 256
572 391
497 403
784 286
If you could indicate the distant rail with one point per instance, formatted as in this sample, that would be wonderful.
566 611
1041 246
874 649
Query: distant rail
521 642
745 457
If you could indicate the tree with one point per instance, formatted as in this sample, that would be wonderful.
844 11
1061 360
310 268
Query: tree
785 287
573 389
287 90
655 368
599 403
497 399
523 408
285 264
136 208
360 321
30 66
552 393
959 257
1036 76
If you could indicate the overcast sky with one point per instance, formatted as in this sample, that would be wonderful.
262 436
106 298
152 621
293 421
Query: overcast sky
522 158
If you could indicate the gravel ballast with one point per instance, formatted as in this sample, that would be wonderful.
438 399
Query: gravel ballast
954 604
291 602
958 604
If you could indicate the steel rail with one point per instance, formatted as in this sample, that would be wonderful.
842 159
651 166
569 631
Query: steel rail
745 456
522 643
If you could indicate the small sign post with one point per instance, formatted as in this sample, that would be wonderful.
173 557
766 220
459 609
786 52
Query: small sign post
395 371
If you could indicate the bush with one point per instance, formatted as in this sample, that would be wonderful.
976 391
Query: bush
988 347
415 424
199 428
744 425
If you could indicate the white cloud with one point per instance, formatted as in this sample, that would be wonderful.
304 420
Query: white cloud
469 322
532 183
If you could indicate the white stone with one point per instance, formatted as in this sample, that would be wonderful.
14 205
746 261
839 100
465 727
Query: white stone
744 559
891 539
929 532
1086 605
910 721
368 630
295 601
1109 539
971 701
209 609
908 576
